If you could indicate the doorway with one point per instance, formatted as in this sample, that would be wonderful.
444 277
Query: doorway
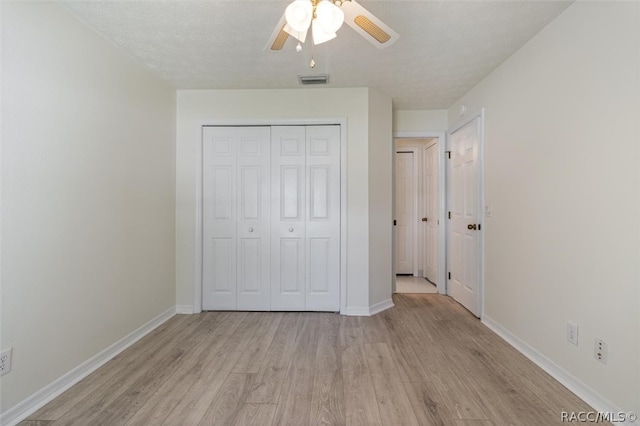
418 225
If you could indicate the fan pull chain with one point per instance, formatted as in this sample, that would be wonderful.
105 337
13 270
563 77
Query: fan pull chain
312 64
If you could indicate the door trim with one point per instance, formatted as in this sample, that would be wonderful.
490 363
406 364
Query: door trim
198 263
442 144
481 142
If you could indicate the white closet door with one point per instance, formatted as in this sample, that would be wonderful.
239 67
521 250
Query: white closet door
236 218
288 227
305 214
323 218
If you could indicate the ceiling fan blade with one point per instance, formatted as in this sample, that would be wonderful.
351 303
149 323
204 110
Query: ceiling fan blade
279 36
370 27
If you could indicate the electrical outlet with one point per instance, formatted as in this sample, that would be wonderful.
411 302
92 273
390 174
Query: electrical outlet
601 351
5 361
572 333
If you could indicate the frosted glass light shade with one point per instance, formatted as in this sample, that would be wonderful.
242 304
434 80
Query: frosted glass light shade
298 15
329 16
300 36
319 35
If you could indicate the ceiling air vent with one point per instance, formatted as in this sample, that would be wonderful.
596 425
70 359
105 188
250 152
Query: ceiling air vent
313 79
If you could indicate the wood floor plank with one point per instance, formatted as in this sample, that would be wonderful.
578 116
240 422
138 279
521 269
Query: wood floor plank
256 415
402 347
361 407
266 385
228 403
327 400
294 404
393 402
256 349
194 404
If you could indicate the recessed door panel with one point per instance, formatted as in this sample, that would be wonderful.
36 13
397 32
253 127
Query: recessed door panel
291 276
291 179
319 265
249 265
222 261
319 196
250 193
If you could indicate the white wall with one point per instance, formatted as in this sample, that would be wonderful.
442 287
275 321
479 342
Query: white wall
420 120
88 195
195 107
380 199
563 178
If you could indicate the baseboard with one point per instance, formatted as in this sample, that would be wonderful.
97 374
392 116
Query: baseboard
382 306
582 391
185 309
367 311
22 410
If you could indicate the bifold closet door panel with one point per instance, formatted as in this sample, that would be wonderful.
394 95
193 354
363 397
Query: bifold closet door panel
323 218
288 213
305 217
236 218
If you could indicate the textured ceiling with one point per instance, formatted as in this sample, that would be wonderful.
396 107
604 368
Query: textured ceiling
445 47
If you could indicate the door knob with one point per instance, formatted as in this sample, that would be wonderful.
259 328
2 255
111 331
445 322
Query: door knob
250 229
290 229
424 219
471 226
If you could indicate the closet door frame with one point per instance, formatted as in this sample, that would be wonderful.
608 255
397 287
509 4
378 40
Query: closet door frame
340 121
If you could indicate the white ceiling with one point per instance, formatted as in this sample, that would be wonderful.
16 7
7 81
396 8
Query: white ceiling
445 47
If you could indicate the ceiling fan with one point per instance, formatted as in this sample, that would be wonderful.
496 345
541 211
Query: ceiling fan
325 17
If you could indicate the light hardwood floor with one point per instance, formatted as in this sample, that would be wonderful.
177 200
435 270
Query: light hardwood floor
426 361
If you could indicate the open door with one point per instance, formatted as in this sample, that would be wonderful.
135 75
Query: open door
464 215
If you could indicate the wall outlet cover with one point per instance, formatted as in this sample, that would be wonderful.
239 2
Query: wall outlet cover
5 361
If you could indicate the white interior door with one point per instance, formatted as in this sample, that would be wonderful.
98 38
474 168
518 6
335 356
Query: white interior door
288 178
236 218
464 224
323 218
430 211
271 218
405 212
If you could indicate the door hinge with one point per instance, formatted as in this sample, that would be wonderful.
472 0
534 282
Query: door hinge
449 275
449 215
448 154
479 227
395 222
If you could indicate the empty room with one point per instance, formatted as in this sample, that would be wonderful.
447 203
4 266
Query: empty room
313 212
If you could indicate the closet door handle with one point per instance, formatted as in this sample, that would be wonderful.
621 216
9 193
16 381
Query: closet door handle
250 229
290 229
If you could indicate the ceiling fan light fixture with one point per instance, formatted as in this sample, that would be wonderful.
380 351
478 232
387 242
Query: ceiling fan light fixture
299 14
324 17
